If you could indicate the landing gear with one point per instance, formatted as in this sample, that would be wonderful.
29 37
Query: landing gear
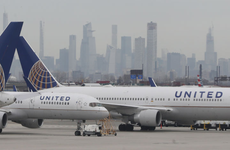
146 128
0 130
125 127
77 132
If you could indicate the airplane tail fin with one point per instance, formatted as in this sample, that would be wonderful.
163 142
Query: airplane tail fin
15 88
36 75
152 83
8 41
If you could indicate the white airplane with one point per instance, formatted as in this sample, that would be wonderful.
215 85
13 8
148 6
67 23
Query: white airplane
143 106
31 108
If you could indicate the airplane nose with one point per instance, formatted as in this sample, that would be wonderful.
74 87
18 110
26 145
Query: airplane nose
104 112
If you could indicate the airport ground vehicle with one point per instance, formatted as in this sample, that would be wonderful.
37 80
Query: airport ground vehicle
208 124
93 129
167 123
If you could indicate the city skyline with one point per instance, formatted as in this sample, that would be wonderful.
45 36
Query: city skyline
181 26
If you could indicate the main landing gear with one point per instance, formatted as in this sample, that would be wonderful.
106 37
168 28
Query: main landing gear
0 130
129 127
146 128
125 127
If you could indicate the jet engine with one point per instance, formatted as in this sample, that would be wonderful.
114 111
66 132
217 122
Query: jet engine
3 119
30 123
148 118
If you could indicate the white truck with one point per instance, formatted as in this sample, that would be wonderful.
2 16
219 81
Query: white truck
93 129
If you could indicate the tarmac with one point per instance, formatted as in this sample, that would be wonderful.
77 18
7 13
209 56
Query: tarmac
59 135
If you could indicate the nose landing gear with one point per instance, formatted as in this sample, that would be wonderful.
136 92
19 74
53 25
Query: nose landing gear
78 132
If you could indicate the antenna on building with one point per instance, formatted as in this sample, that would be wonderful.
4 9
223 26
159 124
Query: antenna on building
41 53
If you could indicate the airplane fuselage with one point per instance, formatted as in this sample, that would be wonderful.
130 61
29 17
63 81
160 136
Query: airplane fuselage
56 106
188 104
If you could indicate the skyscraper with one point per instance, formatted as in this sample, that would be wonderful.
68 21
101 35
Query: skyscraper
114 36
5 20
111 59
63 63
126 52
41 53
88 56
174 63
223 63
151 48
72 53
210 55
139 52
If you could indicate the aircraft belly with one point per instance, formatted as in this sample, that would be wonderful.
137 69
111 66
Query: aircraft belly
63 114
197 114
17 114
39 113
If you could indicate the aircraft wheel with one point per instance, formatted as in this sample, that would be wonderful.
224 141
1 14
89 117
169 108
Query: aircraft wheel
0 130
152 128
83 134
129 127
122 127
143 128
77 133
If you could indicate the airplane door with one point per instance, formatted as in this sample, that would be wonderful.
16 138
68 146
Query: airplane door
32 101
79 104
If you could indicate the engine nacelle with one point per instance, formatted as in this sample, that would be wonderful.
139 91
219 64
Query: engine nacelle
3 119
30 123
148 118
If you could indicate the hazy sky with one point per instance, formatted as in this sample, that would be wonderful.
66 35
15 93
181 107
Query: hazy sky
182 24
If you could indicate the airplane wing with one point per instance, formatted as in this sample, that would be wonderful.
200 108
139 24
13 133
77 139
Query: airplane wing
131 109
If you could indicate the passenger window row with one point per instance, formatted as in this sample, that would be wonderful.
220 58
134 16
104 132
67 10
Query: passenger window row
208 100
181 99
55 103
197 99
137 99
18 102
160 99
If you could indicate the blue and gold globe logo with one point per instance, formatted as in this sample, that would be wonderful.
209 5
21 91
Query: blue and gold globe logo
40 77
2 78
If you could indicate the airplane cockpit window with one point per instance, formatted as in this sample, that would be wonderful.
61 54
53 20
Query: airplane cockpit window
95 104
